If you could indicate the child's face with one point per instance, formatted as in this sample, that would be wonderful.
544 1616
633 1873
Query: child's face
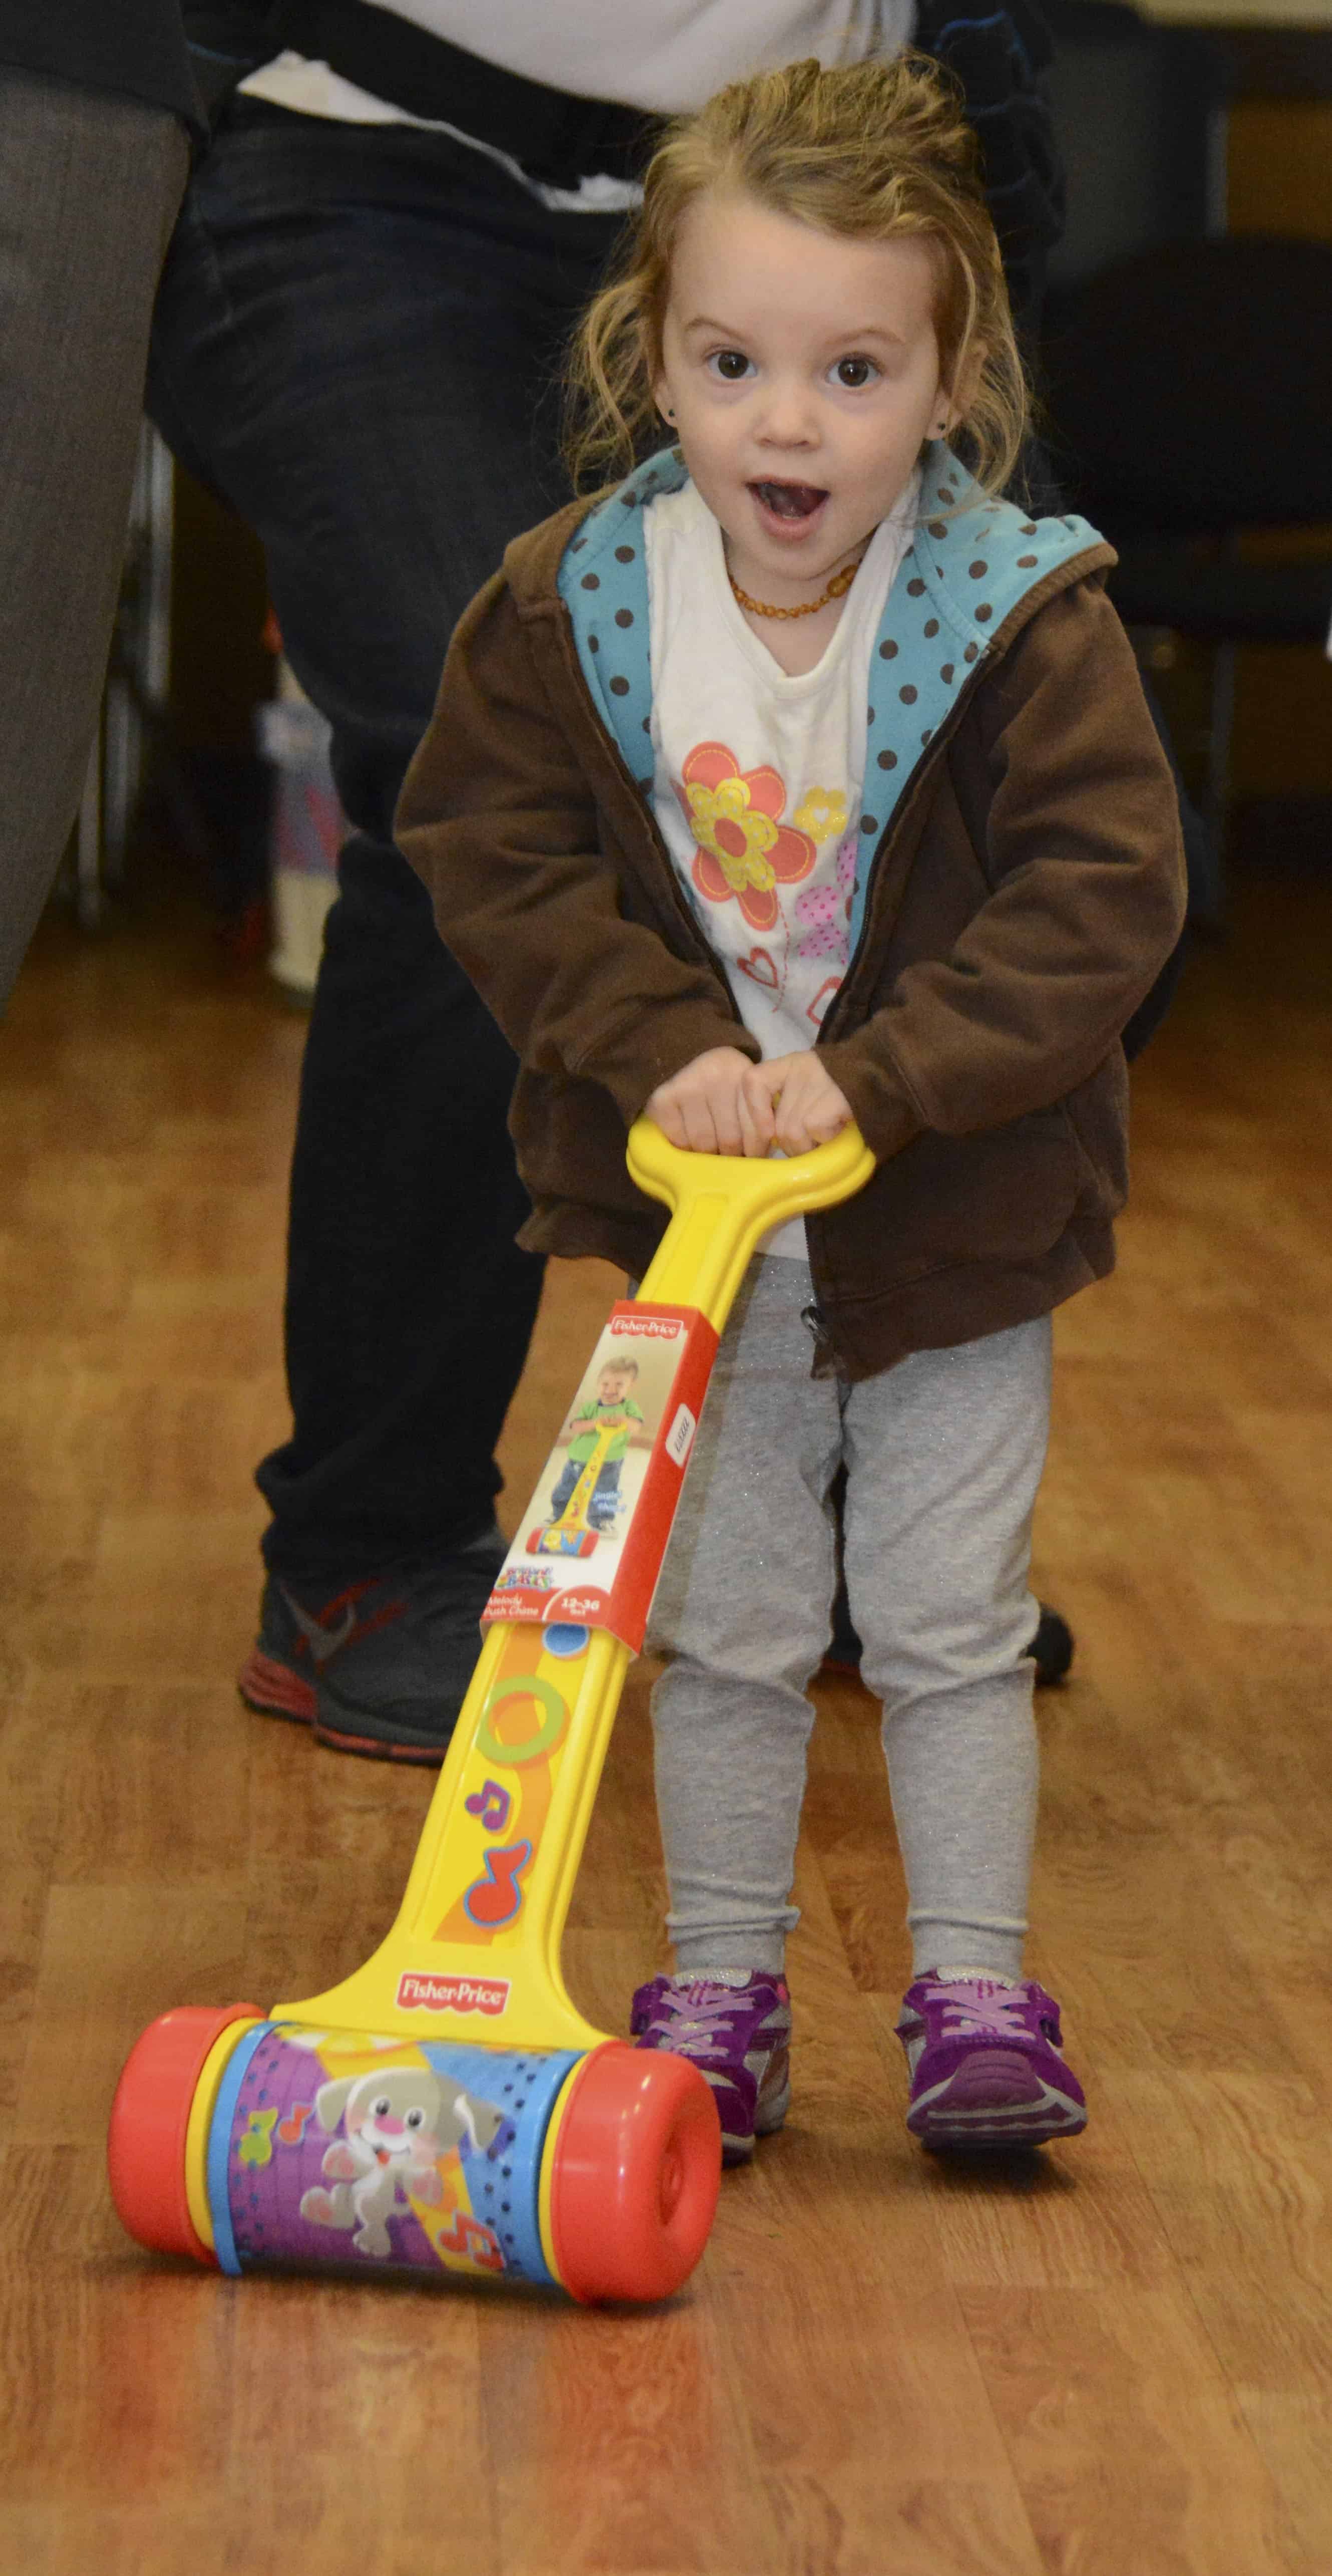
803 372
612 1386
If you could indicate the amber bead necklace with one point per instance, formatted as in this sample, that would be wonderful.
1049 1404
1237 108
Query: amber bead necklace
837 589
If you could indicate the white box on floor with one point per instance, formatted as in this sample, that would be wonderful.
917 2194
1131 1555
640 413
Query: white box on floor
306 832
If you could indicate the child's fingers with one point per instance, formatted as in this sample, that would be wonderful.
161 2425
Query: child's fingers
798 1131
800 1126
754 1104
724 1104
752 1140
727 1123
697 1109
665 1113
700 1128
715 1127
809 1109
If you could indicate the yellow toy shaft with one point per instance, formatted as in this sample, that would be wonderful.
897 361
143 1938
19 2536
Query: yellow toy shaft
475 1952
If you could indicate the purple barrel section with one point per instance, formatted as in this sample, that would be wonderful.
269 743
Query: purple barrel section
338 2151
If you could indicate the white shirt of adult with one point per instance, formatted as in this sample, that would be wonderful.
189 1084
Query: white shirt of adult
661 55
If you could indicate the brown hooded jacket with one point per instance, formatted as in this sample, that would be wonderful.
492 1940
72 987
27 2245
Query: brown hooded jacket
1024 895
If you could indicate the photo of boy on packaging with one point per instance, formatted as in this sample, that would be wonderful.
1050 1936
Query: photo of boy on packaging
602 1424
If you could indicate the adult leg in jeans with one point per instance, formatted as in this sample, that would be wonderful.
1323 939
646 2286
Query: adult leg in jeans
89 186
355 340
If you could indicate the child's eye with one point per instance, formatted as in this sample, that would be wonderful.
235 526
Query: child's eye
854 373
730 364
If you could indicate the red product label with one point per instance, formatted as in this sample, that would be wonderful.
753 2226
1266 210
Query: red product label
487 1995
611 1484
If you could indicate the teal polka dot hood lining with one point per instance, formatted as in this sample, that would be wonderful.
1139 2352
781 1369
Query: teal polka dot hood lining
965 572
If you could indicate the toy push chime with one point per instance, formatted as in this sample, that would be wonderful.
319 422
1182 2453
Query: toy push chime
447 2108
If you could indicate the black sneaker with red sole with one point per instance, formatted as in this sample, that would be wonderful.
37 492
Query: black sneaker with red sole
380 1666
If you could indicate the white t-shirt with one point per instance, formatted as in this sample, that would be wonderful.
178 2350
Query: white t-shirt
759 775
660 55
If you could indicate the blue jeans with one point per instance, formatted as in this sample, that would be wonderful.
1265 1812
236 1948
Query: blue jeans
356 345
605 1492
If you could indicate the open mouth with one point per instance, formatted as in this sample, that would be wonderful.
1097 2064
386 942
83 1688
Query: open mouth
791 501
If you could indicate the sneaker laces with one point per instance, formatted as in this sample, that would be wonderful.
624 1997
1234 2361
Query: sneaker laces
695 2020
978 2011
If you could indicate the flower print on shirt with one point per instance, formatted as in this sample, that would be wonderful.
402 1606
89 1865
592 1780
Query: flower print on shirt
822 812
743 849
824 911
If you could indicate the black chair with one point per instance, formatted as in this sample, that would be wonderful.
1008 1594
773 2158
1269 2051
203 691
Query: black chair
1190 390
1138 107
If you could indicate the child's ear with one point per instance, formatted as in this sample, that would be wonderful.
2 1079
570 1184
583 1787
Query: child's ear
955 400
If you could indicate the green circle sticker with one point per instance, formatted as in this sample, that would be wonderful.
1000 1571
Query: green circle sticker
532 1747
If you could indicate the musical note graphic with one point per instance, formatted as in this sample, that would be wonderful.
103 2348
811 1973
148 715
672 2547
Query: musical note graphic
496 1898
291 2130
492 1804
467 2236
256 2147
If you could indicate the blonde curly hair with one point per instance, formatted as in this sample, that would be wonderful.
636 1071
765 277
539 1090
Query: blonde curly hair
876 151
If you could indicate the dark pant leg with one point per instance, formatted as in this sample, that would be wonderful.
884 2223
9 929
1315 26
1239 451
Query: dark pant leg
355 342
399 1378
89 187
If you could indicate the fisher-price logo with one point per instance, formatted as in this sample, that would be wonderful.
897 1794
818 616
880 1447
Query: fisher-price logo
487 1995
655 1328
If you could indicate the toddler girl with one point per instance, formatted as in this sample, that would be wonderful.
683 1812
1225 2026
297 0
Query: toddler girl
799 778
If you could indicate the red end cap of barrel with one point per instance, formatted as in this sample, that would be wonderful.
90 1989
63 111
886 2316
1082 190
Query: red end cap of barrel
637 2167
145 2148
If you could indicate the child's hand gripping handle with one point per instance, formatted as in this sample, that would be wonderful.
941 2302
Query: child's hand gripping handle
725 1203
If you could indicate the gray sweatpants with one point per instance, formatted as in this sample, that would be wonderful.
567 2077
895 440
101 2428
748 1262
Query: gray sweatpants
943 1456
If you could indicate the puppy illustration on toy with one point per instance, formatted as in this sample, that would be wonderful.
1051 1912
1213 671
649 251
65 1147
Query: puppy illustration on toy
396 2125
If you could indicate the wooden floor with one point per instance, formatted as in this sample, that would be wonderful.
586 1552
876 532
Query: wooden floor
1118 2365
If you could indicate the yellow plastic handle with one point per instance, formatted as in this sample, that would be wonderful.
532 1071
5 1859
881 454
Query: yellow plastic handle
440 1947
725 1203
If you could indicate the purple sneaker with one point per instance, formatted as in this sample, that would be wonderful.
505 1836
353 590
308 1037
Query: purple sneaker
738 2036
986 2068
